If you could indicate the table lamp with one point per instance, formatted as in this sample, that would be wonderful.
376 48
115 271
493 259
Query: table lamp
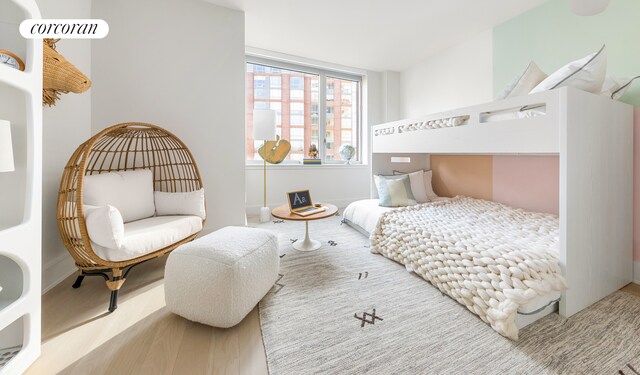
264 129
6 148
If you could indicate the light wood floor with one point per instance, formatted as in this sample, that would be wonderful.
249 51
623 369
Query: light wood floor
633 289
141 336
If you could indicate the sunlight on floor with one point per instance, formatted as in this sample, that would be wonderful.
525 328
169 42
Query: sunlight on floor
74 343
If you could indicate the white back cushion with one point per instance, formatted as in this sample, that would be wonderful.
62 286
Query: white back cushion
189 203
130 192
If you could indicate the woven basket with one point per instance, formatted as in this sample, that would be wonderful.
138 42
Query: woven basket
59 75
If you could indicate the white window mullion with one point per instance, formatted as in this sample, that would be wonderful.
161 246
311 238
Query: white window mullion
322 108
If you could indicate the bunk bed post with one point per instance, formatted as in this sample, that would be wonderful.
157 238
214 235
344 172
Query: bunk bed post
596 195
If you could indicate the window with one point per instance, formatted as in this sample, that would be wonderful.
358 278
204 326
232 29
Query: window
312 106
276 106
275 94
297 83
343 122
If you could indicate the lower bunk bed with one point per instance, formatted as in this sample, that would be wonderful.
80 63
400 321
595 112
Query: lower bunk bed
500 262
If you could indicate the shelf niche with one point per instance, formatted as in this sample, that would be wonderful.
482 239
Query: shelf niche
13 185
11 341
11 281
10 39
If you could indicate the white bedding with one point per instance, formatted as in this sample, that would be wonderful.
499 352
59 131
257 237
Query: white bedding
364 215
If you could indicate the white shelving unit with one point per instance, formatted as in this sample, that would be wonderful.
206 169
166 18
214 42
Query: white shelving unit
21 194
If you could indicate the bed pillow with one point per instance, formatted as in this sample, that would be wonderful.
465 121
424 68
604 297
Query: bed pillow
525 82
428 185
394 191
615 88
105 226
131 192
585 74
189 203
416 179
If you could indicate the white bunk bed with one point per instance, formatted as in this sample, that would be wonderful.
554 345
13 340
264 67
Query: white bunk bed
591 134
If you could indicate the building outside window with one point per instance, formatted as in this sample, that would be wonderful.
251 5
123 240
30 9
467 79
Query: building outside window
305 114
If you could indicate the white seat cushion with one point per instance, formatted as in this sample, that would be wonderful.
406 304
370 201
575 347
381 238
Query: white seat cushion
131 192
219 278
145 236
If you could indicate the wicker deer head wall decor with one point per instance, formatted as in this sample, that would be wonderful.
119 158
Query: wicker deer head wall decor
59 75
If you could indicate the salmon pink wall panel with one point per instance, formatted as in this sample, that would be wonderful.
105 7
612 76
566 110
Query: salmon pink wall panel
528 182
468 175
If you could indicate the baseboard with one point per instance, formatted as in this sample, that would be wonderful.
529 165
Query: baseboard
341 203
56 270
636 272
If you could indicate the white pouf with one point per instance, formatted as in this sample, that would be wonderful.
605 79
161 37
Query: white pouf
219 278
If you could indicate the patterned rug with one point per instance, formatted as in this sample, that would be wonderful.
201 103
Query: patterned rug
343 310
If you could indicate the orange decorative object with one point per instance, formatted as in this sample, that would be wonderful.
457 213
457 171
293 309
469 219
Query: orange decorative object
276 151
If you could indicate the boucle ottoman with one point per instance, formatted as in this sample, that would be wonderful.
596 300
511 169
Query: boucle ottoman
219 278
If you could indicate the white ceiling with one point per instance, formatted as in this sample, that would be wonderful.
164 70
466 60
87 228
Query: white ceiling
369 34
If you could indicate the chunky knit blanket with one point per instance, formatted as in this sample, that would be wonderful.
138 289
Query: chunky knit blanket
487 256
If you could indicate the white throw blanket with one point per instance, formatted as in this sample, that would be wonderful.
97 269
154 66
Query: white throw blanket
487 256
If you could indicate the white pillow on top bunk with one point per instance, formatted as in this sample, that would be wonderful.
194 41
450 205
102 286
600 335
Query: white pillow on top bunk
525 82
586 74
615 88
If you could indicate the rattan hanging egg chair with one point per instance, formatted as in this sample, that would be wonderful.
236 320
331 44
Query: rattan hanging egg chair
123 147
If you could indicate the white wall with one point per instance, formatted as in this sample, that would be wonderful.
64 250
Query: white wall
178 64
65 126
457 77
391 96
337 184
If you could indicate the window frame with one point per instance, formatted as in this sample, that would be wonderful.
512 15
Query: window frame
322 74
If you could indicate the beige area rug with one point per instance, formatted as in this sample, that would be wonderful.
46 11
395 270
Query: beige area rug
343 310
